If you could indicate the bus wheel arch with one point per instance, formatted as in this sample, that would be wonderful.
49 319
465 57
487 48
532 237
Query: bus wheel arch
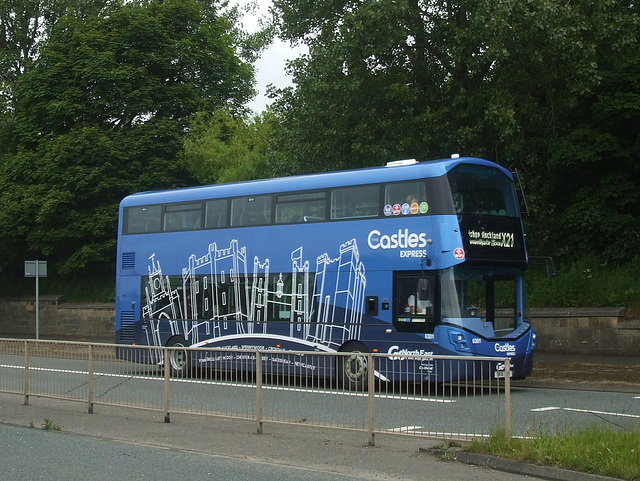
351 371
178 360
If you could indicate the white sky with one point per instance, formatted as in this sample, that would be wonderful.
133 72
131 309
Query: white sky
270 66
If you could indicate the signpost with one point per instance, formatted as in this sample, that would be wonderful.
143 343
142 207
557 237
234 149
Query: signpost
36 269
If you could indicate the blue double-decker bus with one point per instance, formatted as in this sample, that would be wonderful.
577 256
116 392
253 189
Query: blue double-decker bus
410 258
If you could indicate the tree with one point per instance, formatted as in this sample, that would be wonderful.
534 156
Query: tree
530 85
228 148
24 26
103 113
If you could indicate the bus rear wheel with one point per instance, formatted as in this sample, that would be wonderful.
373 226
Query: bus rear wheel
351 371
179 359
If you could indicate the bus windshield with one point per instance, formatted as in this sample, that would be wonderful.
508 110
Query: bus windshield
486 293
480 189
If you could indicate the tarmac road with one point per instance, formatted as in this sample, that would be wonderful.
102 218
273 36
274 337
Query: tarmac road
116 444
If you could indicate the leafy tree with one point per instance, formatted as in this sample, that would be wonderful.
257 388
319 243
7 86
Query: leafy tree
103 113
228 148
24 25
542 86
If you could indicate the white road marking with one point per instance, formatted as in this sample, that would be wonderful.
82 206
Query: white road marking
587 411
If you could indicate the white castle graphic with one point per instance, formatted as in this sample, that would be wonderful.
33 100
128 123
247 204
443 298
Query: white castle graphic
216 297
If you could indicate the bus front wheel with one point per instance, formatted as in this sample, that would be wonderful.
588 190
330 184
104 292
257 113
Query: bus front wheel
352 369
179 359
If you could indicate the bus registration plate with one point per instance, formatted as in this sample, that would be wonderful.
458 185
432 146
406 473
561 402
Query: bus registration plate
500 369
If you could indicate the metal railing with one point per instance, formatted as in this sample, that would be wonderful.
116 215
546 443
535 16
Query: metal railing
270 386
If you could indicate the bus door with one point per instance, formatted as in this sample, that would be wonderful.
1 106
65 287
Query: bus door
415 305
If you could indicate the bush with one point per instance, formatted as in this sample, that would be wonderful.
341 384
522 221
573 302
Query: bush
586 283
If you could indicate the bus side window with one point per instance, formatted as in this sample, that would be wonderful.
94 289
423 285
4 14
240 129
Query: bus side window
411 194
253 210
183 217
355 202
216 213
300 208
140 220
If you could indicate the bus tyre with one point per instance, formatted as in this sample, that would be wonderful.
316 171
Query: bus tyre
179 359
352 369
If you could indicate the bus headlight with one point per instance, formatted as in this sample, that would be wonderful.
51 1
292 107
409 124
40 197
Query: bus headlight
458 340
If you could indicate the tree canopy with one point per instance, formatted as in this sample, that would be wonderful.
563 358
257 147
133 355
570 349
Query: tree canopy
101 113
548 87
101 98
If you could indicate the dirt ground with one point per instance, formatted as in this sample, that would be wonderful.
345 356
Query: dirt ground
584 373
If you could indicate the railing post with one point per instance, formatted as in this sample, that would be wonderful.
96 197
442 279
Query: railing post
371 385
507 399
90 394
167 377
26 373
259 399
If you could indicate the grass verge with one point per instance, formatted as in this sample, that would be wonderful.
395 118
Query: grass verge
596 451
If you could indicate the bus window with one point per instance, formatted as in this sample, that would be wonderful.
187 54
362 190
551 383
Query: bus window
140 220
479 189
414 302
490 294
216 213
302 207
410 195
355 202
253 210
181 217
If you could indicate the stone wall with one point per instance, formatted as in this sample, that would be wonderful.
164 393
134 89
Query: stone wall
57 320
591 331
604 331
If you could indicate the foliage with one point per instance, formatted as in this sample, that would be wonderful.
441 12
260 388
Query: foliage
602 451
588 282
226 148
24 26
49 425
103 113
547 87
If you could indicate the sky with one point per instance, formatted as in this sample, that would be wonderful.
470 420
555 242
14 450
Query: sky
270 66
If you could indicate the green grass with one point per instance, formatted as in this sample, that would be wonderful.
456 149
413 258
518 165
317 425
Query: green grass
597 451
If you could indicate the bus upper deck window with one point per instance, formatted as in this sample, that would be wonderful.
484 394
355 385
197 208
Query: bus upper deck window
485 190
301 207
143 219
410 196
181 217
355 202
252 210
216 213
